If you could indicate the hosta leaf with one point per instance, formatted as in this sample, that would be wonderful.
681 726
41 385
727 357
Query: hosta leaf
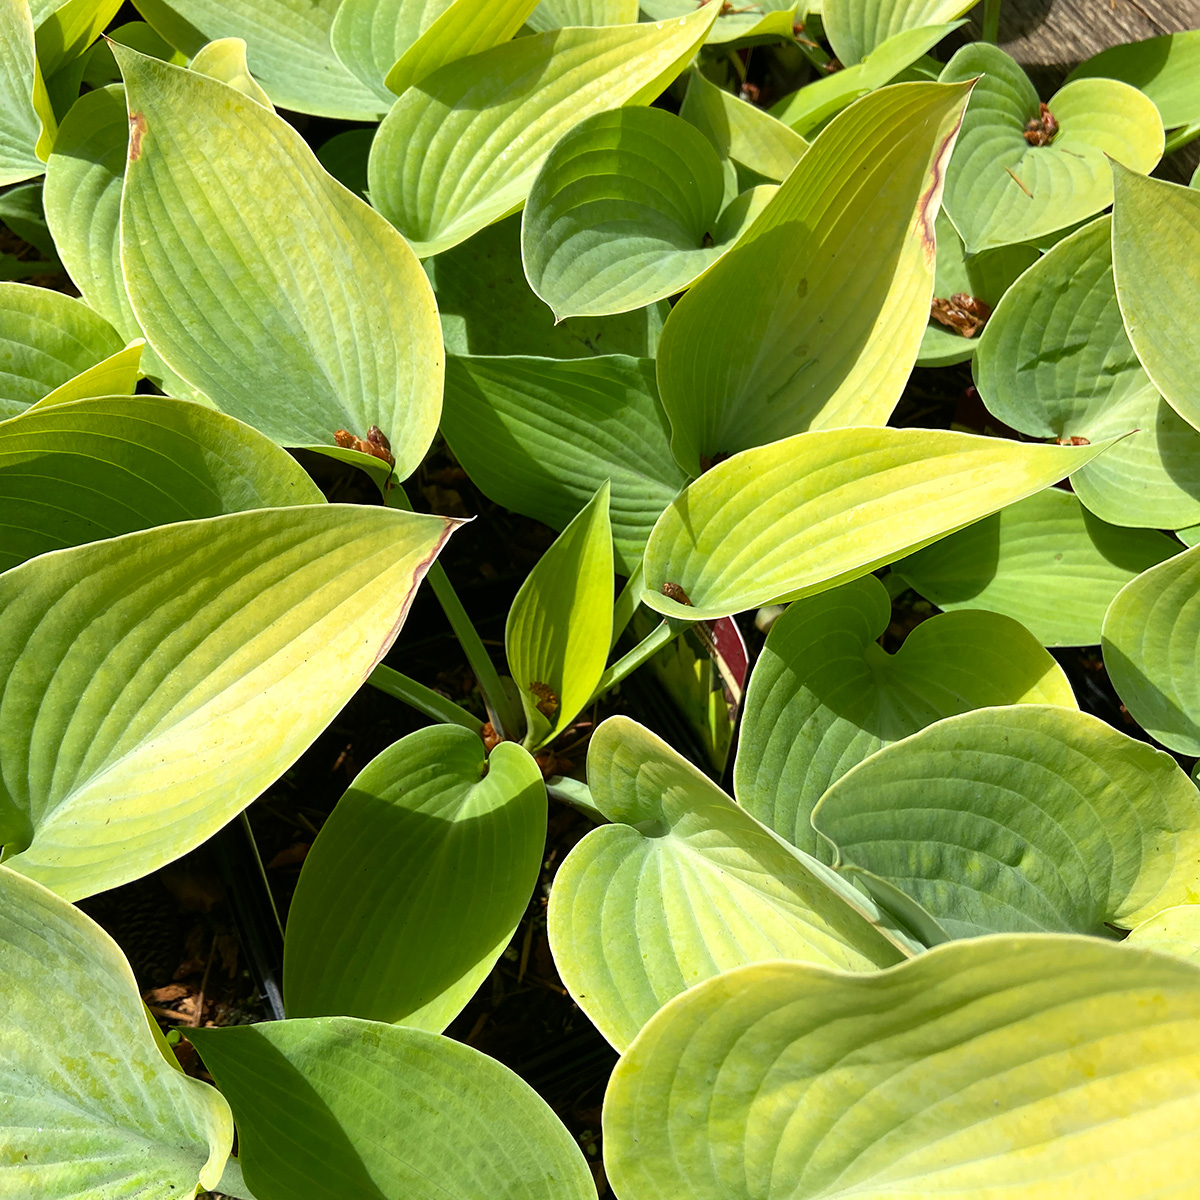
1001 189
416 882
155 683
370 35
832 287
225 59
20 125
986 276
1156 237
1025 819
856 27
333 1107
1172 931
557 14
564 428
46 339
116 375
1054 362
818 509
683 885
461 148
767 19
623 213
68 32
78 472
288 50
749 136
1046 561
1027 1066
1166 68
231 238
559 628
824 694
91 1107
1151 641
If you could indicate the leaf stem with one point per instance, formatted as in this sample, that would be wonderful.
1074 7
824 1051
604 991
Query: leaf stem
422 698
577 795
1183 136
627 603
991 21
649 646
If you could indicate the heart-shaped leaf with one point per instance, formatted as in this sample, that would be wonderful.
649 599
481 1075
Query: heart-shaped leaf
78 472
368 36
1166 68
1151 648
1156 237
91 1107
825 695
1021 1066
1023 819
684 885
1173 931
155 683
825 331
1002 187
558 14
565 428
804 514
416 882
20 125
461 148
1046 561
333 1107
230 235
857 27
559 628
1054 362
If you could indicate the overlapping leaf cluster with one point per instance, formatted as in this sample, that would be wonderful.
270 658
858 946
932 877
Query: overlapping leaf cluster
944 936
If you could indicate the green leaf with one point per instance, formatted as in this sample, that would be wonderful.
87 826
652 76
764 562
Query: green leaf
288 49
1001 189
46 338
344 156
1150 644
1054 362
986 276
1024 819
461 148
832 287
802 515
70 30
1046 561
559 628
368 36
1156 236
155 683
558 14
539 436
857 27
1022 1066
684 885
1166 68
764 19
624 212
116 375
824 694
230 235
20 124
225 59
487 307
78 472
333 1107
1172 931
738 131
416 882
91 1108
21 209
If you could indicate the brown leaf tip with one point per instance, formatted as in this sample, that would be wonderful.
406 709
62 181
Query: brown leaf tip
137 130
674 592
1040 130
967 314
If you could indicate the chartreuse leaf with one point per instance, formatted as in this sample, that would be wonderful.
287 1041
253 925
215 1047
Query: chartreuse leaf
116 375
265 283
288 50
225 59
741 132
832 287
539 436
1166 68
1028 1066
1173 931
417 881
681 886
46 339
824 694
461 148
767 19
558 14
1054 362
804 514
1045 561
91 1107
986 276
1156 237
856 27
624 212
80 471
1020 819
69 30
20 124
1001 189
559 628
155 683
332 1107
368 36
1151 640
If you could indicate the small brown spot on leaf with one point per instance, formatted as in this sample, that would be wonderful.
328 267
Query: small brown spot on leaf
674 592
966 314
137 130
